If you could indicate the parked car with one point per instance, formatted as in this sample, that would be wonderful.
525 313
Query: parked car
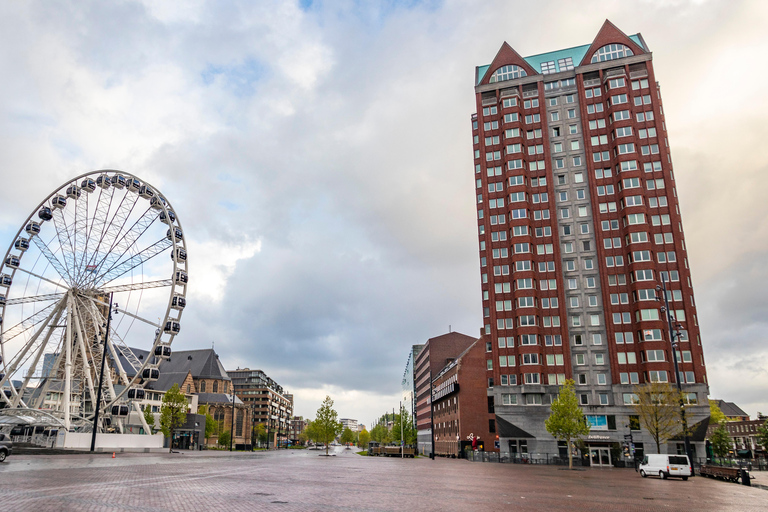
6 446
666 466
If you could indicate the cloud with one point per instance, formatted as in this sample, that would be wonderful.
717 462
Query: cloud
319 158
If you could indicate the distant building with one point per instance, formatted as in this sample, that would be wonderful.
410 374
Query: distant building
200 373
462 410
296 427
409 382
435 354
348 423
744 437
732 411
268 401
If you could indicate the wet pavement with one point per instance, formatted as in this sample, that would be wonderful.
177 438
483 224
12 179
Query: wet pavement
290 480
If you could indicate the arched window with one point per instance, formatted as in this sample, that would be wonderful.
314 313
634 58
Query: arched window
218 415
610 52
507 73
202 386
215 386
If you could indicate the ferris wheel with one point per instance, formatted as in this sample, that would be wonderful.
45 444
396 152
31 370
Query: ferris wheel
95 240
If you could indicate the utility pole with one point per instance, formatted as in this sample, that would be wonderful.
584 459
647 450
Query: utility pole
101 378
674 340
402 439
232 428
431 416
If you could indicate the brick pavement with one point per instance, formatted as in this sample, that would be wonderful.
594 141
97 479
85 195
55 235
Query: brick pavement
296 480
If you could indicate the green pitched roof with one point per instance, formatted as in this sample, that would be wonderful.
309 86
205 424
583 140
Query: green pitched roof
576 54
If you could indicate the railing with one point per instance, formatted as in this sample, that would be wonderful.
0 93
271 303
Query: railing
521 458
41 440
556 460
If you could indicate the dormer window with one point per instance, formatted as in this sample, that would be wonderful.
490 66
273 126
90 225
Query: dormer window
611 52
509 72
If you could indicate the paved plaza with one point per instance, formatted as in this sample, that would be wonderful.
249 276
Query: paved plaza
291 480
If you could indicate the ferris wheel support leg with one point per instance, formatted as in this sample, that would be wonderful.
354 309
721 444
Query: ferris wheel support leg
20 357
68 365
123 376
144 424
111 388
39 354
84 355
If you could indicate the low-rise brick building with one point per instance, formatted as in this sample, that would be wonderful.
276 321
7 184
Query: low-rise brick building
462 411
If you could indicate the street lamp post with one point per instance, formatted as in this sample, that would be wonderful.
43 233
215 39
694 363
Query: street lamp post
101 377
232 423
674 339
431 416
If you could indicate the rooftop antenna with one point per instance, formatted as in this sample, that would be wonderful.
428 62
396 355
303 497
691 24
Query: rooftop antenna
449 328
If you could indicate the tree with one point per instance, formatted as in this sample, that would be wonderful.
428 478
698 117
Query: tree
303 438
380 434
260 432
567 422
327 424
762 433
210 423
149 417
311 431
224 438
716 416
409 430
721 441
173 412
363 438
659 410
347 436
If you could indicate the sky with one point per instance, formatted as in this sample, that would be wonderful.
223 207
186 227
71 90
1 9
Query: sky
319 157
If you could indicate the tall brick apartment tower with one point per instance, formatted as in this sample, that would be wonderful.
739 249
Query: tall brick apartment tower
578 221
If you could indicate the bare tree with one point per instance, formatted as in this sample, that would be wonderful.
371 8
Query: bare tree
658 405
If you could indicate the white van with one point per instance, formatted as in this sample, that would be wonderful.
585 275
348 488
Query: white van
665 466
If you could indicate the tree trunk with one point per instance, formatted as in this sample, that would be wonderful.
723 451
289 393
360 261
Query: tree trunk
570 453
170 441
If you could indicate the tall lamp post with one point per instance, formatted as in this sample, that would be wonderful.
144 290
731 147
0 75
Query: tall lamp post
674 339
431 417
232 427
101 376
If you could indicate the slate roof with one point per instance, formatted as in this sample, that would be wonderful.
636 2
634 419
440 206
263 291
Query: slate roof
576 53
730 409
217 398
203 364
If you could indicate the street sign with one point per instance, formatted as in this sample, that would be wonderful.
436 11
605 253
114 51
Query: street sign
628 437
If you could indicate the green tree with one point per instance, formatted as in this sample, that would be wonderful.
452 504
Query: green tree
149 417
380 434
716 416
347 436
408 429
721 441
210 423
311 431
327 423
659 410
762 433
303 438
224 438
173 412
363 438
567 422
260 432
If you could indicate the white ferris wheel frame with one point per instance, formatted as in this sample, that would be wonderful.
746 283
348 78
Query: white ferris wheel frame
67 300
